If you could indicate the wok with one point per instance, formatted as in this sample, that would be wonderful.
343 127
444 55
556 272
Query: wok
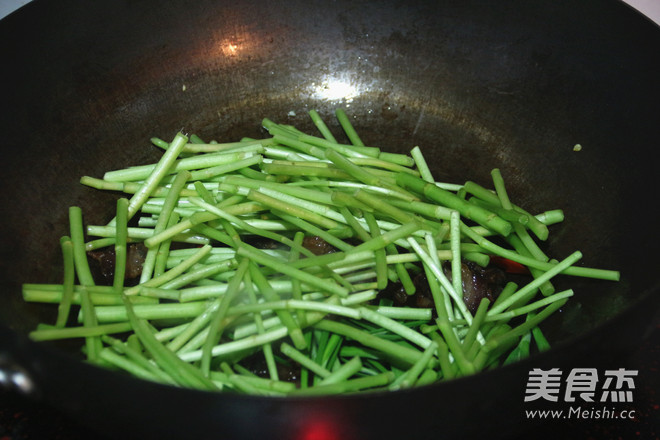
513 84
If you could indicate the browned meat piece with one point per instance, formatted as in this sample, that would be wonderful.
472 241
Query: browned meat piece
103 262
318 245
135 256
478 283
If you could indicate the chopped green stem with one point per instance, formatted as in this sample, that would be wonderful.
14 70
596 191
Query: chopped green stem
265 288
504 340
551 217
203 192
357 172
442 278
305 170
267 349
293 210
78 242
174 272
160 263
384 207
163 220
452 201
539 229
455 347
541 342
304 360
314 230
352 151
199 273
156 174
117 313
410 377
215 325
345 123
348 369
218 170
435 212
348 386
48 334
246 343
67 283
395 327
169 164
317 208
184 373
99 243
401 271
530 307
322 127
473 331
290 189
261 257
397 158
422 166
205 312
546 288
441 299
120 244
355 185
378 163
388 237
508 289
524 293
455 242
380 256
140 234
510 215
403 354
604 274
53 293
446 366
128 365
89 319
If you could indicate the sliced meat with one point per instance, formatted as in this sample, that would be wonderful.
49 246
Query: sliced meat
317 245
102 262
478 283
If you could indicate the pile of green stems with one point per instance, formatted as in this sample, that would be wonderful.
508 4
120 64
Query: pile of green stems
209 305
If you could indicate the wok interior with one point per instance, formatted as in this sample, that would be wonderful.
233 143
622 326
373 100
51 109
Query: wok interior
495 89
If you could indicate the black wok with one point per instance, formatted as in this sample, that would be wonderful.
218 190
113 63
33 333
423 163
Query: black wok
513 84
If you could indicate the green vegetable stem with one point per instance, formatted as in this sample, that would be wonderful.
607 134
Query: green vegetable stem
277 266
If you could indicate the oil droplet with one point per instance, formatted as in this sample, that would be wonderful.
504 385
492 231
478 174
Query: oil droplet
388 113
